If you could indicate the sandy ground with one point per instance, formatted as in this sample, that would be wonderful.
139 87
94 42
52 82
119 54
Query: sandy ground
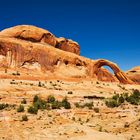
72 124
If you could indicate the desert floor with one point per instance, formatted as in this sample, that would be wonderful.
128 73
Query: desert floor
119 123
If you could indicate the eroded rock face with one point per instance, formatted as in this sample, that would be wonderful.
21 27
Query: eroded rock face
24 47
35 34
134 74
68 45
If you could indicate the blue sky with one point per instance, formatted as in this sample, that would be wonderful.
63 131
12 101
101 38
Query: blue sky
108 29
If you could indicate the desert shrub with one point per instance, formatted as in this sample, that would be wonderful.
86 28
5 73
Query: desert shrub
126 125
97 82
39 103
66 104
134 98
3 106
88 105
24 118
77 105
70 92
116 100
115 97
48 106
20 108
35 99
33 110
51 99
100 129
23 101
39 84
87 120
121 99
73 118
56 105
17 73
96 109
111 103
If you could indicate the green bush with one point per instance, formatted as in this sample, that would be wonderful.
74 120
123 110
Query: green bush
134 98
24 118
66 104
36 98
117 100
112 103
20 108
33 110
51 99
121 99
115 97
56 105
40 104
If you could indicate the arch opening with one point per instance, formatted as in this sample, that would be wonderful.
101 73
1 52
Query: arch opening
120 75
108 69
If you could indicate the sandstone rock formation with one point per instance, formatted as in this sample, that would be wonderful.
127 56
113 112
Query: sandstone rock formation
24 45
134 74
35 34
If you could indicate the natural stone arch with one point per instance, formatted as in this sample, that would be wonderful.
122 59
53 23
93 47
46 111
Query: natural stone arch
120 75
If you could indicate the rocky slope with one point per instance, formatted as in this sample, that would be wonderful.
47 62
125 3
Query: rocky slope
134 74
24 46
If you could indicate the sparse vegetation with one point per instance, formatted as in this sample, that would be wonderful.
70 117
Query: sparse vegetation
23 101
126 125
70 92
96 109
39 84
20 108
83 105
32 110
65 103
51 103
56 105
16 74
97 82
51 99
134 98
40 104
3 106
117 100
24 118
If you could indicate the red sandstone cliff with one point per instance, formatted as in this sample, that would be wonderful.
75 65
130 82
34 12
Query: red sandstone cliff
24 46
